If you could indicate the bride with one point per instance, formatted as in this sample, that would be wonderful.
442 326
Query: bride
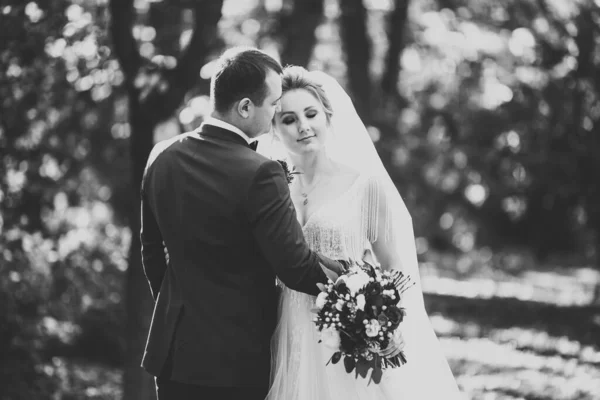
348 207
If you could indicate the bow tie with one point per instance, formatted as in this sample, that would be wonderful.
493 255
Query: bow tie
253 145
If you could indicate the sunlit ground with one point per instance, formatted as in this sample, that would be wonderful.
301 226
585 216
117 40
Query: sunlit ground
523 335
527 336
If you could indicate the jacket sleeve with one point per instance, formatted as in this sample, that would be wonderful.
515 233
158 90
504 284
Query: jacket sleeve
272 216
154 257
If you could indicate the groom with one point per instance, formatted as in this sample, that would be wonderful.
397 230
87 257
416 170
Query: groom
218 225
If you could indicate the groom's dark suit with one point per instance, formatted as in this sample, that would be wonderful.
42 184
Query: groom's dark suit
224 215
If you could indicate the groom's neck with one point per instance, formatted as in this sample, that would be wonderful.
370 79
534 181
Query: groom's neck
227 118
223 117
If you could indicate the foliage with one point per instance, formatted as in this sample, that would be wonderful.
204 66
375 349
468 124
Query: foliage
61 241
497 136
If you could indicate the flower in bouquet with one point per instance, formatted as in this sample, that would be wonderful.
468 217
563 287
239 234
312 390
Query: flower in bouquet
359 315
331 338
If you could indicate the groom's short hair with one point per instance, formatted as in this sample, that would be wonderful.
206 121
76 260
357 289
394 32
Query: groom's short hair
240 73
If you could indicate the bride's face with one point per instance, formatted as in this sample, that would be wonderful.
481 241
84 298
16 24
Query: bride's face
301 125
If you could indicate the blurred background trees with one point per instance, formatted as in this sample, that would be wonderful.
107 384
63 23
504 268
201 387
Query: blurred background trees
486 114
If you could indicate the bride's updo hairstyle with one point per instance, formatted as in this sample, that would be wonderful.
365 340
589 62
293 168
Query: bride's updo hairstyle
295 78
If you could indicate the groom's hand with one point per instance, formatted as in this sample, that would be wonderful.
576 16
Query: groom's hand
342 266
334 268
330 274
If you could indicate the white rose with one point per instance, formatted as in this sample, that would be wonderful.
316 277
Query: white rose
331 338
373 328
321 300
357 281
361 302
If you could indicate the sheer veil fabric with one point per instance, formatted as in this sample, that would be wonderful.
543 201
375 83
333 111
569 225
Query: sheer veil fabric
344 228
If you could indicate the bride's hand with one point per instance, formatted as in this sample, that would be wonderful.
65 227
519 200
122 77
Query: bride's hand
397 344
368 257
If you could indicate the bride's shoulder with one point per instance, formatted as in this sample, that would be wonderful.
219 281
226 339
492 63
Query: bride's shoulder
351 178
345 173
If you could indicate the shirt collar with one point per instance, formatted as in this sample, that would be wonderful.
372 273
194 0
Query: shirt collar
222 124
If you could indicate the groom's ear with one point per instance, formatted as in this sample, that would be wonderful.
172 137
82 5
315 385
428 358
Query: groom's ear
243 107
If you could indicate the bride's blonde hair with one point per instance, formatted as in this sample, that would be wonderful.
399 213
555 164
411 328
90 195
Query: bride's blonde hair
295 78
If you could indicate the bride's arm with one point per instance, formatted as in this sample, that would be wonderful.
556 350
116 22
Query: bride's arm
390 232
389 227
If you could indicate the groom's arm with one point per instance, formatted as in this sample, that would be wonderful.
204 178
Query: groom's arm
272 215
154 257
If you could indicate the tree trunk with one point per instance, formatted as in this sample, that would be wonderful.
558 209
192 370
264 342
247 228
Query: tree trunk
586 39
137 383
396 29
356 44
147 108
298 31
166 19
390 105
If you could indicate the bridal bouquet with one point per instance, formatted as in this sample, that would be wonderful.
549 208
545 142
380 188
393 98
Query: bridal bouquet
359 316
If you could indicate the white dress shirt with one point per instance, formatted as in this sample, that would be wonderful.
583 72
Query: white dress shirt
222 124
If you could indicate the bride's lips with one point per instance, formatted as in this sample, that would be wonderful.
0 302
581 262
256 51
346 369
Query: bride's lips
306 138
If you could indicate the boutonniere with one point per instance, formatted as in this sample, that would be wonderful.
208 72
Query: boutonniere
289 173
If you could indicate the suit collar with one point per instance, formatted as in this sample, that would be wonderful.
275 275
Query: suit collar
219 133
225 125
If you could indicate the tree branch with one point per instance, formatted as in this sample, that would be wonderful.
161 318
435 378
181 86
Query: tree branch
123 14
162 102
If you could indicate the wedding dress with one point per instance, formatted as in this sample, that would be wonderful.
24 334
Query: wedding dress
299 368
344 228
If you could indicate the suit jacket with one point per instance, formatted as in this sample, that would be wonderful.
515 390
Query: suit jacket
218 225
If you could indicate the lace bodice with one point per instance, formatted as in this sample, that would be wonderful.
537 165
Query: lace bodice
335 230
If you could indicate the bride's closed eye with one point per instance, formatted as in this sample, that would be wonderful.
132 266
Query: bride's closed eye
288 120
